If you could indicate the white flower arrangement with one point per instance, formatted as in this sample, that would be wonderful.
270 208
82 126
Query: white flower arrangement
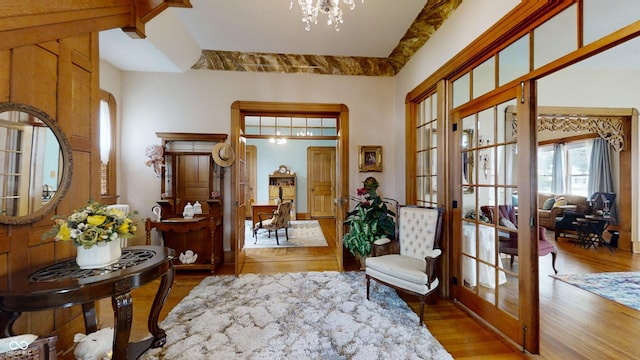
92 224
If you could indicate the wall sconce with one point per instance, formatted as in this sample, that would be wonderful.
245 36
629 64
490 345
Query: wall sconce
483 155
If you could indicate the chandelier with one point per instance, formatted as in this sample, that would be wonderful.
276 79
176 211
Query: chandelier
331 8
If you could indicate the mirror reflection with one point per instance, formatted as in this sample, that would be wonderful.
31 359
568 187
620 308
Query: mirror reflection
33 163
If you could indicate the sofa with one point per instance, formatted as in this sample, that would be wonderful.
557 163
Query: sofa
551 207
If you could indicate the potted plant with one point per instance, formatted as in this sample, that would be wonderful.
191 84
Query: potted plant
95 230
370 220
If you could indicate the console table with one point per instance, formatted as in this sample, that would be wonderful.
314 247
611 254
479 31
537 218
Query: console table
201 234
64 284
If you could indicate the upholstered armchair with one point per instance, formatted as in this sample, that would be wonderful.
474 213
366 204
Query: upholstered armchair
508 244
413 269
279 220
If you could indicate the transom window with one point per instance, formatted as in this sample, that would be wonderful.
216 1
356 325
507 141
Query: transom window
290 127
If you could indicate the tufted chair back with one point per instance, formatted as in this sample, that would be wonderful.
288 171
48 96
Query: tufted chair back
418 229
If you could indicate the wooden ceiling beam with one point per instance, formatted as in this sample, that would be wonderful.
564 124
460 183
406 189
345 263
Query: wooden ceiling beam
25 23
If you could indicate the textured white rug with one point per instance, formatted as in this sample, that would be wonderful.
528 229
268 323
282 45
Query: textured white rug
315 315
301 233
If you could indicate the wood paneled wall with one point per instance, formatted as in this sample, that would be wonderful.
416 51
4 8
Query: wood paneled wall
49 59
59 77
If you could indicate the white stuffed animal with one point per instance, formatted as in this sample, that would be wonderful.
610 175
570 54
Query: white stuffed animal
95 346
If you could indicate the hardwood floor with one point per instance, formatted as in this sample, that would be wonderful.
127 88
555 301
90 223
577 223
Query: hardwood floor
575 324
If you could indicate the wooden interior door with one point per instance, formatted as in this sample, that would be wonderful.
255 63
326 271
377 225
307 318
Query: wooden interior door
252 165
321 165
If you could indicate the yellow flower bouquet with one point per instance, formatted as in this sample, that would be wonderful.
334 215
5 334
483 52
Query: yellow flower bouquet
92 224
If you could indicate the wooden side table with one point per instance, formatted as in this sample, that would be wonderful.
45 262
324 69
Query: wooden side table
64 284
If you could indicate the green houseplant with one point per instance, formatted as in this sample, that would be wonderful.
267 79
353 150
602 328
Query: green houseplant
370 220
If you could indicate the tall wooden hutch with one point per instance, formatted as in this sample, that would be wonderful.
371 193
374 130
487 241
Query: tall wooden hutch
283 181
191 175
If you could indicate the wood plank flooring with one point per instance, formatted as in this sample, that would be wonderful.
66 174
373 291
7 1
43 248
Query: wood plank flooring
575 324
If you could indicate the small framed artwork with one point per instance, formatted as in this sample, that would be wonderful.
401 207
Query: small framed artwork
370 158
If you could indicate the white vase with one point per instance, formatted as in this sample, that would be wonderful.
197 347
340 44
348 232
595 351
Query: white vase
197 208
98 256
188 211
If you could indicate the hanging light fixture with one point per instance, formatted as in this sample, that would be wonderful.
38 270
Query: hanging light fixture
331 8
278 139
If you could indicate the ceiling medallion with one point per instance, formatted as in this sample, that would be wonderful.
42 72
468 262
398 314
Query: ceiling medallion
331 8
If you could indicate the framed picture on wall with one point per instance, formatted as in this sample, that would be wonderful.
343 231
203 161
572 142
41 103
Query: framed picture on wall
370 158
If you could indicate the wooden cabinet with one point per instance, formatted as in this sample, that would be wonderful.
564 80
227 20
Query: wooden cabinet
282 180
191 175
202 235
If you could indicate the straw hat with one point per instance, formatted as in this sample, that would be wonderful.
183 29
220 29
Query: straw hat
223 154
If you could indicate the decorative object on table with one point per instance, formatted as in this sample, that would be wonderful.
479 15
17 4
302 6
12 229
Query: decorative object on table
188 257
95 346
370 220
188 211
214 194
96 231
197 208
223 154
370 158
155 154
309 315
157 211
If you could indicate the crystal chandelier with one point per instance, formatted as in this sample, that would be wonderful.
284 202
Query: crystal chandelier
331 8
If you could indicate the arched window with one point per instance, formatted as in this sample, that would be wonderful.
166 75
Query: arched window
108 189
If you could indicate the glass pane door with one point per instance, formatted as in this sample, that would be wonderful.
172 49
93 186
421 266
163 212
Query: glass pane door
492 238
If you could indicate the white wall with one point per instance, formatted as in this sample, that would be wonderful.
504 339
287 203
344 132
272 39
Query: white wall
200 101
464 25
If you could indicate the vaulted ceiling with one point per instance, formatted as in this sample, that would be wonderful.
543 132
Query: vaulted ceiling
377 38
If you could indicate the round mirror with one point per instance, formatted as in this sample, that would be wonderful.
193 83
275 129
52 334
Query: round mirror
35 164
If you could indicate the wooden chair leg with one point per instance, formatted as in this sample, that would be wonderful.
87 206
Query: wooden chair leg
421 309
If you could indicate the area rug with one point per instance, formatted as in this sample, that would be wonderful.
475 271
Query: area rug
301 233
313 315
621 287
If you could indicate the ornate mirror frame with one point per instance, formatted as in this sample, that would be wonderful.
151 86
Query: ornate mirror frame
64 178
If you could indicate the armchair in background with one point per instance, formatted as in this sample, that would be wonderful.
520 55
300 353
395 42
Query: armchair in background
279 220
508 240
565 225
